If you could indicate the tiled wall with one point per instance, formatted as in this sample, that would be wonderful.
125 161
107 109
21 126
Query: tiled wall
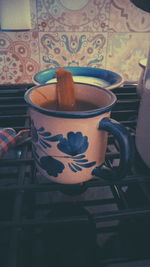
110 34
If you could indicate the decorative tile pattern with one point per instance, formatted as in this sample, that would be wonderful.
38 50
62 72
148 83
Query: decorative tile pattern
67 49
78 15
77 33
124 52
19 57
126 17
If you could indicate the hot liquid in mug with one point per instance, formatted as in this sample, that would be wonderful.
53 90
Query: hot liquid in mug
69 146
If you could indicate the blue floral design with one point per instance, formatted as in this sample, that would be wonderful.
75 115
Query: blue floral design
43 137
53 62
73 45
74 144
80 162
52 166
34 132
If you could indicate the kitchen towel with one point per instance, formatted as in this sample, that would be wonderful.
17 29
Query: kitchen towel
9 138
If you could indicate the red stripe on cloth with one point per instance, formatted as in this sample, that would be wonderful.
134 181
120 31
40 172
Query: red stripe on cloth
10 138
7 139
4 147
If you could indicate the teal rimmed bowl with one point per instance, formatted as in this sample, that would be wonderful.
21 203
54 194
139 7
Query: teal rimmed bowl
93 76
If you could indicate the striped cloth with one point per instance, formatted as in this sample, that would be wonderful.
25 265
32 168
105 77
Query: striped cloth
8 138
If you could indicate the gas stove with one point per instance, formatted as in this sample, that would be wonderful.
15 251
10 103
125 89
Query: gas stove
96 223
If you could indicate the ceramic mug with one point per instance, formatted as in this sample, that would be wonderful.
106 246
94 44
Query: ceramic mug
69 146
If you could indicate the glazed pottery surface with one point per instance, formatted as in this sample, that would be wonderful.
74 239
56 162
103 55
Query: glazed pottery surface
142 64
143 123
94 76
69 146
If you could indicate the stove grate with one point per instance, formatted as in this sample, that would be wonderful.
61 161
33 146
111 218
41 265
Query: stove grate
117 215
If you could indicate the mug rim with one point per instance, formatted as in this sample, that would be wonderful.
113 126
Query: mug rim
71 114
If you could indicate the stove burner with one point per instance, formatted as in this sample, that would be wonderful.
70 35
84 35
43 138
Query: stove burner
41 220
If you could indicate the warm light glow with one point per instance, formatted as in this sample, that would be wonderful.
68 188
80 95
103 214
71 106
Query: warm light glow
88 80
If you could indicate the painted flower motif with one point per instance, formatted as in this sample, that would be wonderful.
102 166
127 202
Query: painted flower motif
99 41
73 44
43 137
52 166
80 162
34 132
74 144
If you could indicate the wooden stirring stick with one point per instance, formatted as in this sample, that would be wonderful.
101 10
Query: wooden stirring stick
65 90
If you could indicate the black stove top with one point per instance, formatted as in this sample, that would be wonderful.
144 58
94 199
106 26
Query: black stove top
97 223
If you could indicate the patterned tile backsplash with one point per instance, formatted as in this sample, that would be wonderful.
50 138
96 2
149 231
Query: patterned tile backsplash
109 34
72 49
73 16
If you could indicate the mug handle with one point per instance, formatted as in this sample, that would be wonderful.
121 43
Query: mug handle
126 151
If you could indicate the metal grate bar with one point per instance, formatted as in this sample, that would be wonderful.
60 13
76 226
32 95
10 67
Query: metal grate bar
97 217
17 210
92 183
82 203
22 183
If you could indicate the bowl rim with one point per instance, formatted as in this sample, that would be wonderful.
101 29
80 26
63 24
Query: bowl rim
114 79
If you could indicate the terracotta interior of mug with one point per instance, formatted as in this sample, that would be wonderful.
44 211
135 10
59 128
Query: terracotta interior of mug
42 95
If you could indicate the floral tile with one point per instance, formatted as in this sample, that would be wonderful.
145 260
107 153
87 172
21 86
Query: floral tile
57 49
19 56
124 52
126 17
78 15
